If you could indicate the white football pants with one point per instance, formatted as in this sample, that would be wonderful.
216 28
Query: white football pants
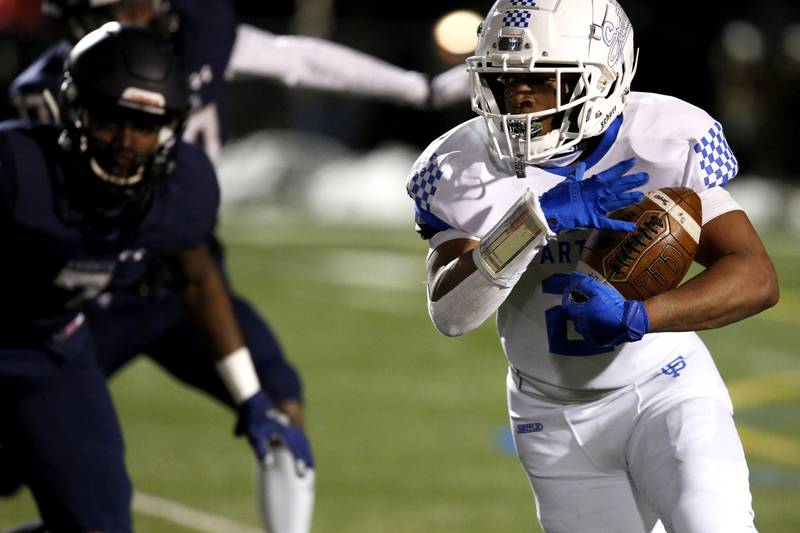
665 448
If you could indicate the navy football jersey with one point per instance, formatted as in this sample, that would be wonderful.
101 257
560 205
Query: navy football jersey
54 259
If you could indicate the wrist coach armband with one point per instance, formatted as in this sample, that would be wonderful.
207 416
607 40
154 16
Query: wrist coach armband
504 253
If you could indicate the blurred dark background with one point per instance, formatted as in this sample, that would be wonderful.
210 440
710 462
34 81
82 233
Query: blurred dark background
738 60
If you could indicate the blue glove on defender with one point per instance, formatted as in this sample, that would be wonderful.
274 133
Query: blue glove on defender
263 424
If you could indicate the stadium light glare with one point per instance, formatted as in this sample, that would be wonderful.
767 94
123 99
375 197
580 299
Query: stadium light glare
791 42
456 32
743 42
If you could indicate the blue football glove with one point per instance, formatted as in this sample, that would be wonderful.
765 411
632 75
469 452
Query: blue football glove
601 314
265 426
583 203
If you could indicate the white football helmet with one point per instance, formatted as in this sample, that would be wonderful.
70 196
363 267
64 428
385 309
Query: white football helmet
587 41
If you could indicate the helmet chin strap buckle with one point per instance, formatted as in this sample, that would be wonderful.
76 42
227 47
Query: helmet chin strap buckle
519 166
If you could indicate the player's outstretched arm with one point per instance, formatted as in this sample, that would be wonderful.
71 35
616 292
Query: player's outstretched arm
739 281
469 279
208 303
449 87
313 63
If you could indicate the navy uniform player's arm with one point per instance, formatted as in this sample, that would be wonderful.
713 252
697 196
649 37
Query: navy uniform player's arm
207 300
193 200
739 280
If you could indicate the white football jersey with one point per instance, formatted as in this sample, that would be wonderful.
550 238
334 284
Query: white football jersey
457 183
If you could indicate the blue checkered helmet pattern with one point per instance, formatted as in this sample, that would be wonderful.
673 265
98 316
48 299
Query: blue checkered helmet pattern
517 18
530 3
718 165
422 185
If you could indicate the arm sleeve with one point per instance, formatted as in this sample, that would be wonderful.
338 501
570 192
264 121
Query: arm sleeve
467 305
499 265
312 63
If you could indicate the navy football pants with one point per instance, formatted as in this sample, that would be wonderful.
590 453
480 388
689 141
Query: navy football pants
127 326
60 433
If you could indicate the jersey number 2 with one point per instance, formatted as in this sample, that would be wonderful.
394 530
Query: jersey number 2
558 322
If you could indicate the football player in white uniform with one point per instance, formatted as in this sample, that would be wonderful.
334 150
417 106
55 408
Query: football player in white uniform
619 415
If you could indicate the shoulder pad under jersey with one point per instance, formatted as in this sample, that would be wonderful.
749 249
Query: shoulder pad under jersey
34 92
187 203
659 121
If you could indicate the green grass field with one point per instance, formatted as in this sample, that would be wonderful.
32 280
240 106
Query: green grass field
406 423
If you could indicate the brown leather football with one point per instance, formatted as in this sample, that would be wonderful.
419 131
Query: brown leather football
656 256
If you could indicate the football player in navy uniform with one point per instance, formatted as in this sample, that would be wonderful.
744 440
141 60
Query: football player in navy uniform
203 32
87 207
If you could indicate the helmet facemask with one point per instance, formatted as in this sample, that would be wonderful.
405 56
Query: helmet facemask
538 134
122 148
119 172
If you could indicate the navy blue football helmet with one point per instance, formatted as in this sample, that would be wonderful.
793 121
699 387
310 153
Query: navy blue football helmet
122 79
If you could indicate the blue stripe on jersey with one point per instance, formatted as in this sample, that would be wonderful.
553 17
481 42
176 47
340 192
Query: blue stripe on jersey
430 219
606 142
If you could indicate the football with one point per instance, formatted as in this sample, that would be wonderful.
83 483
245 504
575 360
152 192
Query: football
656 256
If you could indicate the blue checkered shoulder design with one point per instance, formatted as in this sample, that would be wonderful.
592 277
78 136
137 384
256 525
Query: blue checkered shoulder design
717 161
422 186
530 3
518 18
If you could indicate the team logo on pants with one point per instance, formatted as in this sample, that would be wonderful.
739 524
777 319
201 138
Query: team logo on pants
530 428
674 367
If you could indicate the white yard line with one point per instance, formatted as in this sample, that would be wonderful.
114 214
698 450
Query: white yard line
185 516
